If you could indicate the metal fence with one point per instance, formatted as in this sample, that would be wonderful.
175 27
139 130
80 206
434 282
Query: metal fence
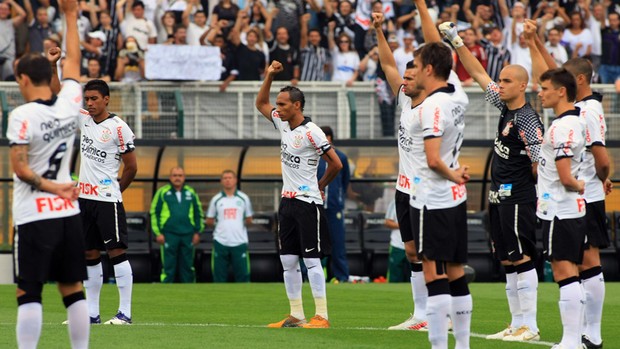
160 110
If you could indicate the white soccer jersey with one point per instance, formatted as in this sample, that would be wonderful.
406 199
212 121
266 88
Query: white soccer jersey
442 114
101 146
405 143
564 139
48 128
299 153
395 238
594 117
230 214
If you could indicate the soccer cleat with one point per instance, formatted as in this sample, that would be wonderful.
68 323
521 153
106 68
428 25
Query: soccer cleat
93 321
522 334
290 321
317 321
501 334
119 319
411 324
587 343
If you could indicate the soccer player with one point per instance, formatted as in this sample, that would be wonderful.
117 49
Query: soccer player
106 141
438 195
48 243
230 211
560 204
302 230
512 198
409 98
595 173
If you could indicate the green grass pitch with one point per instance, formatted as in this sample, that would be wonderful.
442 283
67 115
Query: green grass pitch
235 315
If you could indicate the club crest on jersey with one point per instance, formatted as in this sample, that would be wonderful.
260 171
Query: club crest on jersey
506 130
106 136
297 142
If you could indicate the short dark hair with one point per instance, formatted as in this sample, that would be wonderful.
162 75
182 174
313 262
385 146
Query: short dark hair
328 131
437 55
315 30
36 67
295 95
562 78
137 3
409 65
579 65
99 86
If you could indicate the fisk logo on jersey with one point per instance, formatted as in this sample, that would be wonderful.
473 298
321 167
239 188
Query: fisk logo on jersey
88 189
458 191
50 204
404 181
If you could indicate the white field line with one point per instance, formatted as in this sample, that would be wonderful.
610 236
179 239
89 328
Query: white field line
161 324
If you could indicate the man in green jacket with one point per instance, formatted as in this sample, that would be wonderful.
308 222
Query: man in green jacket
177 220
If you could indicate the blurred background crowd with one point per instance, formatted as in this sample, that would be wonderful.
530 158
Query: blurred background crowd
316 40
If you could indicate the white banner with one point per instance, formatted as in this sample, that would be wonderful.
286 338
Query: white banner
183 62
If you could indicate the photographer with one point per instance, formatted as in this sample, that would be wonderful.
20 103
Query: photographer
130 62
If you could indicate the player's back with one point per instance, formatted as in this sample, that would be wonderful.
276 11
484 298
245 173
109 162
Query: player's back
49 129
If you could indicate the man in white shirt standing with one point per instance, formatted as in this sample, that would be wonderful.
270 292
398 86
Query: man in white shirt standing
46 214
230 211
135 24
302 229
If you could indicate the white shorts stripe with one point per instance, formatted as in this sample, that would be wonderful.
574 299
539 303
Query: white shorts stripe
16 251
516 228
551 237
318 228
118 238
421 232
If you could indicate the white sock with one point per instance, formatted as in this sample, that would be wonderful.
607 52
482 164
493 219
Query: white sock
317 284
293 283
594 288
571 303
79 324
527 289
420 295
124 283
29 323
460 314
513 300
92 286
437 311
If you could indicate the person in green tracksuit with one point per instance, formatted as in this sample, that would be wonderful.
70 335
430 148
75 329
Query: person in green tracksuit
177 220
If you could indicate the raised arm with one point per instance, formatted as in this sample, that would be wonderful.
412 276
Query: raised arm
20 14
29 12
471 63
428 26
469 14
187 12
71 69
263 104
303 36
503 8
539 66
53 55
386 57
120 10
331 42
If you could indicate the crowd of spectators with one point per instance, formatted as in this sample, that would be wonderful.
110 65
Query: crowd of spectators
315 40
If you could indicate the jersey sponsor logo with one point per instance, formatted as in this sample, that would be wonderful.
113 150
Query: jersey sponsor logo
312 162
23 131
404 181
506 130
121 140
289 159
275 114
436 117
55 129
404 142
309 249
106 135
53 204
501 150
230 213
91 152
297 142
289 194
581 205
89 189
458 191
309 135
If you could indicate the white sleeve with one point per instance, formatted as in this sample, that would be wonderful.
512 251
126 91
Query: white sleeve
595 128
211 210
71 91
19 129
249 212
563 140
433 118
125 138
318 140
